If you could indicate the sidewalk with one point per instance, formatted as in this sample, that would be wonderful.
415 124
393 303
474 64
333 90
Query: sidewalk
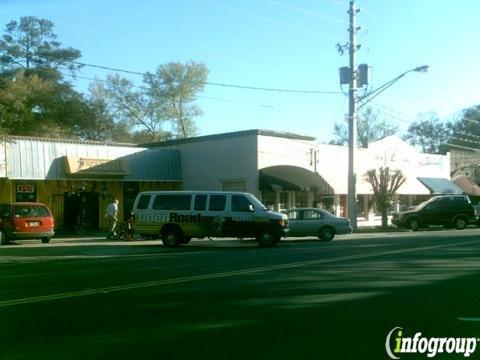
374 225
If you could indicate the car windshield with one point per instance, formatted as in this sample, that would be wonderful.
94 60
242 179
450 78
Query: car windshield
257 204
422 205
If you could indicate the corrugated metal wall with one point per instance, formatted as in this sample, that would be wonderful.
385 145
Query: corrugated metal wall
42 159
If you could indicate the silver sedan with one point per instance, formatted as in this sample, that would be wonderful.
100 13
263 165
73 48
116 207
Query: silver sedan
316 222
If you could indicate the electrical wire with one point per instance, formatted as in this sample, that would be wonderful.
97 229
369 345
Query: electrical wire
245 87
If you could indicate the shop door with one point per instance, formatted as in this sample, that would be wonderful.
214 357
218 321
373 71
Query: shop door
130 192
81 211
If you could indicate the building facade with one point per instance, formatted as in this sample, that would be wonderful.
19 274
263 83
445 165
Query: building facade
78 179
285 170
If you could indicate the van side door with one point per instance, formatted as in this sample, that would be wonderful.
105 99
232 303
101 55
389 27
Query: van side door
242 220
215 215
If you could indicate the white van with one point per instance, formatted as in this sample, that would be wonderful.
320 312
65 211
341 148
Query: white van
178 216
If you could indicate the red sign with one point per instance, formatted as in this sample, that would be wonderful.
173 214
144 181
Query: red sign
26 189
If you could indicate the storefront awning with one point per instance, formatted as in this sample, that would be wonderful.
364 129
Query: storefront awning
440 186
292 178
468 185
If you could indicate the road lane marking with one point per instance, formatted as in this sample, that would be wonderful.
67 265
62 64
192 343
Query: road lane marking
251 271
469 319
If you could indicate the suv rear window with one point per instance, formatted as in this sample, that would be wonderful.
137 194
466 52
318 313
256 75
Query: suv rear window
31 211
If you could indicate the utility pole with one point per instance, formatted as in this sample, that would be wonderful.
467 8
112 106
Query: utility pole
352 121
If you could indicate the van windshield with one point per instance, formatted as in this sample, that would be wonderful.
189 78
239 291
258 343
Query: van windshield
256 203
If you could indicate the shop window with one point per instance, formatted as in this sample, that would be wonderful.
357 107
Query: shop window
234 185
269 198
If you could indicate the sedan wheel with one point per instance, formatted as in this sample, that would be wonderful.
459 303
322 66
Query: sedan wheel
327 233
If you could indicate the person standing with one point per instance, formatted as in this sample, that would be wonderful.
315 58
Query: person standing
111 215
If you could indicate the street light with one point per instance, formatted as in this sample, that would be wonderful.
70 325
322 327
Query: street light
374 93
352 133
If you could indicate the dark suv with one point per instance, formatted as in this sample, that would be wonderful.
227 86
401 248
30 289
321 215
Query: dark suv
447 210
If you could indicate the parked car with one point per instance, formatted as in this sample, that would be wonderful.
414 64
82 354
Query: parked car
25 220
316 222
178 216
448 210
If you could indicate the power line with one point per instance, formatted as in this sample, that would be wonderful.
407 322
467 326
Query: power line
53 15
198 96
308 12
246 87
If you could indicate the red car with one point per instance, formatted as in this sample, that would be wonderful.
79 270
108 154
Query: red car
25 220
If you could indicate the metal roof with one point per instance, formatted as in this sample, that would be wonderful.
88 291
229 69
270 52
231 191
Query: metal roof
256 132
38 159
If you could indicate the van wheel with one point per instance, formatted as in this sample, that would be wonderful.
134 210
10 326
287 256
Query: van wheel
460 223
171 237
267 238
326 233
4 240
185 240
45 240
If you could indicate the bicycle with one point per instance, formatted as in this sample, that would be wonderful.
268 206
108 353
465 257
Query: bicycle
124 231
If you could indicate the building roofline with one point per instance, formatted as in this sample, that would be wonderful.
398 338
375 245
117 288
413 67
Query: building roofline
222 136
11 138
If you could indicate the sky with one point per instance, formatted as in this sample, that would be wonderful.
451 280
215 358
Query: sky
279 44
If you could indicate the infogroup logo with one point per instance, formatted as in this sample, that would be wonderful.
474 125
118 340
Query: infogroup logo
398 344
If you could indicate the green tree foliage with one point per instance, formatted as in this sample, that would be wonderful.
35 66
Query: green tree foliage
465 131
385 184
34 98
429 133
369 128
174 87
31 44
432 135
33 106
162 108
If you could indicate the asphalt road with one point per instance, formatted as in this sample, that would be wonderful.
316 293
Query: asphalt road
230 299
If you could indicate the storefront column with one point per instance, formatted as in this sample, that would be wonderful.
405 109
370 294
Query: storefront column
336 202
277 200
291 199
365 207
310 198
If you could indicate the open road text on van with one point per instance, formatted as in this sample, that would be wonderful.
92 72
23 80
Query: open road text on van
178 216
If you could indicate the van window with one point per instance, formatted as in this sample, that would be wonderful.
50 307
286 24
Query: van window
217 202
200 202
143 202
172 202
240 203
